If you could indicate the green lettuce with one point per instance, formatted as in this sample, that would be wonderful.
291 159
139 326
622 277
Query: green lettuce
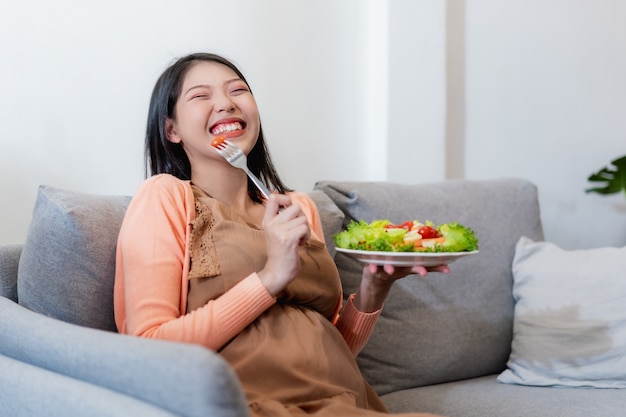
459 238
374 236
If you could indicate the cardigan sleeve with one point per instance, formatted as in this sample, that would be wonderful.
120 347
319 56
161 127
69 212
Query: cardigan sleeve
151 274
356 326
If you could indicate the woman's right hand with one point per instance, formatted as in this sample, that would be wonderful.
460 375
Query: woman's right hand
286 228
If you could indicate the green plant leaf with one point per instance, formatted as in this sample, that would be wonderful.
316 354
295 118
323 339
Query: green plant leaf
614 178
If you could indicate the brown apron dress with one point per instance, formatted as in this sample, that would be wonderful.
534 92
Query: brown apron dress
291 360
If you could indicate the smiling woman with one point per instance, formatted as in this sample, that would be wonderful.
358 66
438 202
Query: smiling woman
203 257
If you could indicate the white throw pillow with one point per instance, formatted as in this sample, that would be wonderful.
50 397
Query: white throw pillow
570 317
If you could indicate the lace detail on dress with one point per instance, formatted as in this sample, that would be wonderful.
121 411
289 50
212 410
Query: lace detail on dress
204 261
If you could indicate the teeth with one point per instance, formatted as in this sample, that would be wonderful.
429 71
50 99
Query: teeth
227 127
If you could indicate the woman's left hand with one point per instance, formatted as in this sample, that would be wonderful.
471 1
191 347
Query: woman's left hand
392 273
377 281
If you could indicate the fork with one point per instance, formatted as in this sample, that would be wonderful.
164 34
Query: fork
235 156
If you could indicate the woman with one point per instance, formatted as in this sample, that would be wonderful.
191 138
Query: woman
203 258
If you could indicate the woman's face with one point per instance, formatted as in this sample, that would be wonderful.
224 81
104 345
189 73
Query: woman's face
214 101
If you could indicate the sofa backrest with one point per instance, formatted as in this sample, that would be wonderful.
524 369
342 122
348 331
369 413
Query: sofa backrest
434 329
442 327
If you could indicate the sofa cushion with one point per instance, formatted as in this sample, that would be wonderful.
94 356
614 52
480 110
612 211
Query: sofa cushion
442 327
67 266
570 320
485 397
330 215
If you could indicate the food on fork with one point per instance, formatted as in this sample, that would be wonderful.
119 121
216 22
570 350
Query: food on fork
218 142
235 156
410 236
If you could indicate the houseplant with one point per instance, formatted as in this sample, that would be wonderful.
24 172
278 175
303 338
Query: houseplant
614 177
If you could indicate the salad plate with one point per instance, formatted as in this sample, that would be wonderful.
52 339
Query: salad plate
405 258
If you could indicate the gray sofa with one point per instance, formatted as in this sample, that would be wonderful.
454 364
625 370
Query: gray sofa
439 346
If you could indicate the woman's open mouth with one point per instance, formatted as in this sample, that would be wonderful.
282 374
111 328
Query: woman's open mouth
225 127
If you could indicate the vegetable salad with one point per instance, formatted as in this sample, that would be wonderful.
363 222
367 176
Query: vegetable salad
410 236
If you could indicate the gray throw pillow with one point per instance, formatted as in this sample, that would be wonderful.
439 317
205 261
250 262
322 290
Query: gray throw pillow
67 267
330 215
443 327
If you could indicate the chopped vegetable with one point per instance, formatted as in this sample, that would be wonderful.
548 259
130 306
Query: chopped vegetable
428 232
457 238
218 142
411 236
375 236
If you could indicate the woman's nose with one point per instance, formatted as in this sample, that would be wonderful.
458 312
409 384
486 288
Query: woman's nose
224 103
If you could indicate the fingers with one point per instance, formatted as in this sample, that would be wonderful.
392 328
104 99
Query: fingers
444 269
419 270
275 203
389 269
282 216
422 271
441 268
399 272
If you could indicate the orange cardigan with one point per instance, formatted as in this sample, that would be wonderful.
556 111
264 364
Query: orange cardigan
152 267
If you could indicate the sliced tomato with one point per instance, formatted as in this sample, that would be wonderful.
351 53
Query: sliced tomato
428 232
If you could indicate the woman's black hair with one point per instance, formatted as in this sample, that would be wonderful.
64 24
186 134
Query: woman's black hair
163 156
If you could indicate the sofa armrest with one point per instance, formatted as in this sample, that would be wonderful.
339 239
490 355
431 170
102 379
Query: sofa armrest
183 379
26 390
9 261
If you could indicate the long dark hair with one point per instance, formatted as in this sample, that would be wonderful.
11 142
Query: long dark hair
163 156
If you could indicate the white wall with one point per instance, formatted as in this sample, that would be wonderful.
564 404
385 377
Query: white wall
76 77
348 90
417 91
546 100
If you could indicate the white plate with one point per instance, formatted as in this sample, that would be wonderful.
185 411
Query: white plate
405 258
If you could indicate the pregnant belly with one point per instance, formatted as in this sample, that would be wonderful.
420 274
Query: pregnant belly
293 354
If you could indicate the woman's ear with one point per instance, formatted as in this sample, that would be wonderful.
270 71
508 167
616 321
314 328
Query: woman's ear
170 131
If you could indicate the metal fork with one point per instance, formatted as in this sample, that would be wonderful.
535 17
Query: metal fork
235 156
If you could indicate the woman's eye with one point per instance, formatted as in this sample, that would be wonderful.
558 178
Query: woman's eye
239 90
200 96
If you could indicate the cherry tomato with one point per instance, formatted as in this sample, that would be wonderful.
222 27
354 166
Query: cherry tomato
428 232
218 141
